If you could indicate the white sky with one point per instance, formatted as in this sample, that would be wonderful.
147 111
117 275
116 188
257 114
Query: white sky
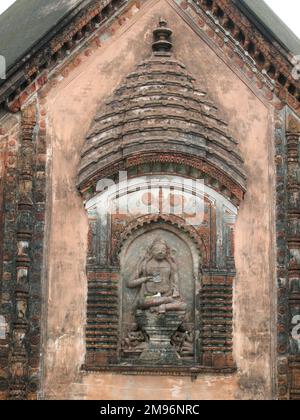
287 10
4 4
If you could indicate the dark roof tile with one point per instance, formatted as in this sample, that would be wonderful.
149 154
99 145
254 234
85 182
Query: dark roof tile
27 22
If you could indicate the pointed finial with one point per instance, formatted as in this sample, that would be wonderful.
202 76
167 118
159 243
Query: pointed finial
162 38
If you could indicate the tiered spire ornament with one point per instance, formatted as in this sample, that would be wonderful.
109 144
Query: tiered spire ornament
162 38
159 111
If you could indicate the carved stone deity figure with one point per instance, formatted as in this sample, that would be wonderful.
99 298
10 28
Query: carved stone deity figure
157 280
158 307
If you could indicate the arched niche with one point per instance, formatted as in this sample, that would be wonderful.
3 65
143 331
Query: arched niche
180 200
187 260
201 244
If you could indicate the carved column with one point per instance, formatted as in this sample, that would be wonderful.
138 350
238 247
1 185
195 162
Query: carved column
293 191
20 325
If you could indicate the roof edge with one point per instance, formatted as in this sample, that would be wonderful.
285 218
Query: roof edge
266 31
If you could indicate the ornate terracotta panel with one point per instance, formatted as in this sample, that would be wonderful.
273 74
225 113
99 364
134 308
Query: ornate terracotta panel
160 262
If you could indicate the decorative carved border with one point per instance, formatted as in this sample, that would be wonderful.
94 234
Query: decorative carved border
193 372
223 183
173 220
9 141
23 259
25 220
293 242
288 246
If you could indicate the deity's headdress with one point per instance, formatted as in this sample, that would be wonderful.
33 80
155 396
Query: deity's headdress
159 241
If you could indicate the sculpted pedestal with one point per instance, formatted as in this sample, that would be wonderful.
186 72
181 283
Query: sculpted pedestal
160 327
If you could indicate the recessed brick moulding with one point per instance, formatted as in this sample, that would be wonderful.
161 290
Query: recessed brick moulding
160 286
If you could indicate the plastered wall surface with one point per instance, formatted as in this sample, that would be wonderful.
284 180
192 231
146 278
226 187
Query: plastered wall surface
71 106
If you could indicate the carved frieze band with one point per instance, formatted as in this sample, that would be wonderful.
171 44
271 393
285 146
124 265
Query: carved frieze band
171 163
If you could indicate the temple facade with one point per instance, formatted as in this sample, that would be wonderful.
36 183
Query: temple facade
149 201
